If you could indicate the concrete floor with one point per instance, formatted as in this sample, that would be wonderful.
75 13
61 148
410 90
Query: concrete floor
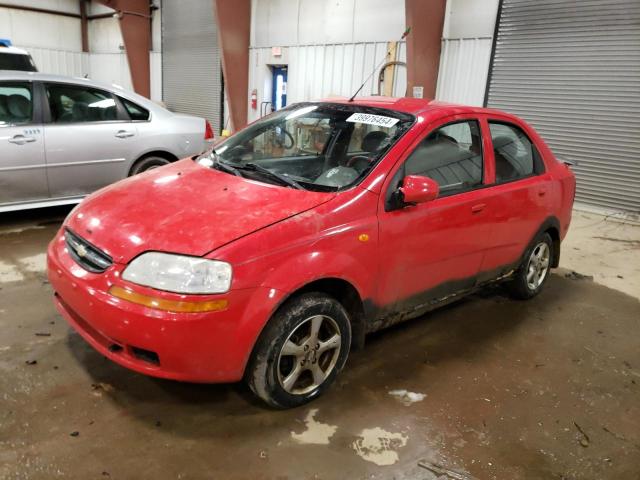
498 389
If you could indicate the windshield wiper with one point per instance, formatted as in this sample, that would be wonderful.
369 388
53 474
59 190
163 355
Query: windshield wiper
224 166
218 164
283 179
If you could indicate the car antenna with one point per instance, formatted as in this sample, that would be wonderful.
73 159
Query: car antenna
404 35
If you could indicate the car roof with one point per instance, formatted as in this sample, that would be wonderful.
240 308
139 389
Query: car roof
415 106
13 50
19 75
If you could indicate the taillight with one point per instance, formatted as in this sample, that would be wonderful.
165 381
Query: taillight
208 131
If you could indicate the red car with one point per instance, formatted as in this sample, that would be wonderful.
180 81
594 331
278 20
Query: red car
271 257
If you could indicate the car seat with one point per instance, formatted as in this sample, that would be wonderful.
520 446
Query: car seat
80 112
19 108
443 160
509 165
371 143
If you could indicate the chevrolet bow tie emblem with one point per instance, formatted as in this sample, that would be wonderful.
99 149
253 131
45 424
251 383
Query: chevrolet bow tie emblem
81 251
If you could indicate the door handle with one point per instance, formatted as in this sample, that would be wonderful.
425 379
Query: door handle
124 134
478 208
21 139
542 192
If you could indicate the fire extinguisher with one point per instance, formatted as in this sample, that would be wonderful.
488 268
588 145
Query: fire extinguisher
254 99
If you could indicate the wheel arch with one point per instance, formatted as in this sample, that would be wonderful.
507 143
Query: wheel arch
153 153
551 225
342 290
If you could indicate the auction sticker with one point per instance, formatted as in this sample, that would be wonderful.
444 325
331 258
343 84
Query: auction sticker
379 120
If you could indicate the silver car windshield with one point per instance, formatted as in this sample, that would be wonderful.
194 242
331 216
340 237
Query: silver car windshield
315 146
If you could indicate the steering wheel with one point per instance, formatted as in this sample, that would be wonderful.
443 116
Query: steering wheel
353 160
289 137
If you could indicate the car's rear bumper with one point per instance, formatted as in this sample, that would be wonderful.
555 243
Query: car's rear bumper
196 347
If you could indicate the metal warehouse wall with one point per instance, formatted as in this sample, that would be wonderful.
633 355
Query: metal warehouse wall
467 38
464 64
191 65
572 69
319 71
329 47
55 42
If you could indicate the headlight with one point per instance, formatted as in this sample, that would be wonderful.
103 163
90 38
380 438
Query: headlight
179 274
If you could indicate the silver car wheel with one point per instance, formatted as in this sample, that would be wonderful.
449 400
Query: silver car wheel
538 265
309 355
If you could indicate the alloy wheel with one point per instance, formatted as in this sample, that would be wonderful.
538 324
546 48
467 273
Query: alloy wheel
309 355
538 265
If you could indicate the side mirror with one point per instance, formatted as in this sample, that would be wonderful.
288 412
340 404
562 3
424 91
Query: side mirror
419 189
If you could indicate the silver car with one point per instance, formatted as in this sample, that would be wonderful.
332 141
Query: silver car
61 138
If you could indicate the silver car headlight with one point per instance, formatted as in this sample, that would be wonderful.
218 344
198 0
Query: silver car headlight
179 274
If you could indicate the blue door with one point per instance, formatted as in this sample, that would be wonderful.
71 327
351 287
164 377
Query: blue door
279 88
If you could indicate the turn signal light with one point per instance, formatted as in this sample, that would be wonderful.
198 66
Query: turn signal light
180 306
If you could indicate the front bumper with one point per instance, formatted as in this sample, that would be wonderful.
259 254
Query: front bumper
196 347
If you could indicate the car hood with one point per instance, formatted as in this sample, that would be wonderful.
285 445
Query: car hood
183 208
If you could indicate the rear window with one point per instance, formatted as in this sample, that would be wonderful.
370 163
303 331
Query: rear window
136 112
14 61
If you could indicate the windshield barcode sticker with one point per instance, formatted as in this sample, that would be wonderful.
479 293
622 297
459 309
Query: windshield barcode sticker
369 119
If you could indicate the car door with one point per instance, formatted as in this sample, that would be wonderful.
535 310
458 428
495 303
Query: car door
431 250
519 200
90 140
22 163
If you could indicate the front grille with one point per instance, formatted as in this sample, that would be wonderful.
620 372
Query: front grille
86 255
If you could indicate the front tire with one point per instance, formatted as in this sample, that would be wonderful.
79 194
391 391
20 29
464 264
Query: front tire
301 351
534 270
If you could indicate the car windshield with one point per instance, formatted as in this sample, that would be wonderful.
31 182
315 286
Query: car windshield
312 146
15 61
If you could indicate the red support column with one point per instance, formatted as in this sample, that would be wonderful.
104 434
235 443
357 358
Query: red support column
234 28
135 25
84 27
426 19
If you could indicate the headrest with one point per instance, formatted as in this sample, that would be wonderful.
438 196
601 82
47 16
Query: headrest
80 111
372 141
19 106
501 141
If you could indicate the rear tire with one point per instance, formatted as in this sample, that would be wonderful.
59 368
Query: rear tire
148 163
301 351
534 270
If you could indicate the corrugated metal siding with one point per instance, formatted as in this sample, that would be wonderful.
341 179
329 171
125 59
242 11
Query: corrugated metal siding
60 62
317 71
191 69
320 71
572 69
464 64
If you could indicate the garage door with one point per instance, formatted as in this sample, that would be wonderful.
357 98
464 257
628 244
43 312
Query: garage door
191 69
572 69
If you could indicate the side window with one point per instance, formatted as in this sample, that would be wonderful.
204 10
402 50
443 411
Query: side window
16 103
452 156
136 112
515 155
79 104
